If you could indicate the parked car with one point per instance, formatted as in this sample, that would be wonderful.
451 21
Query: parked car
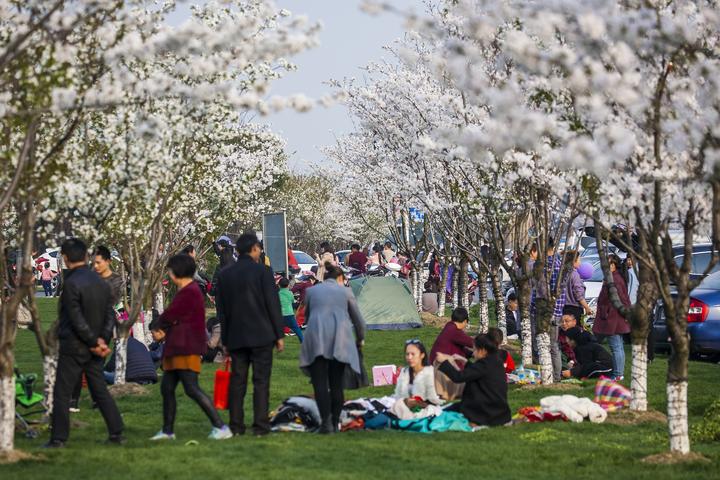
703 319
305 261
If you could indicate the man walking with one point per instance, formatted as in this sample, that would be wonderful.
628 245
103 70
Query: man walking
86 322
248 307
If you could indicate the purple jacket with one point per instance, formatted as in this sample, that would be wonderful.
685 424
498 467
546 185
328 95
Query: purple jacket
184 323
608 320
574 290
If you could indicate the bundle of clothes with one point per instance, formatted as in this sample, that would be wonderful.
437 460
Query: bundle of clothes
610 396
301 414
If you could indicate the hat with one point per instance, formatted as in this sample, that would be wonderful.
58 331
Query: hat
225 240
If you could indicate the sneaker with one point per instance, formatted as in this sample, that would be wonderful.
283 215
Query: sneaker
116 440
619 378
163 436
54 444
222 433
74 410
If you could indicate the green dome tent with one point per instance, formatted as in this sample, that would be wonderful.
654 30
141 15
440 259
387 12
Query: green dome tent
386 303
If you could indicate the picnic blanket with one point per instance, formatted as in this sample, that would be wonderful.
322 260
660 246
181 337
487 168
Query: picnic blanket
611 395
445 422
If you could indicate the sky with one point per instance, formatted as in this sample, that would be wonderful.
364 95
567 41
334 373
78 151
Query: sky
349 40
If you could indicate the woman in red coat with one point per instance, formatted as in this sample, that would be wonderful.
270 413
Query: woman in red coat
609 323
185 342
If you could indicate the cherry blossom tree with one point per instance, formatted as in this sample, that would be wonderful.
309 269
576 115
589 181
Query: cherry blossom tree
65 61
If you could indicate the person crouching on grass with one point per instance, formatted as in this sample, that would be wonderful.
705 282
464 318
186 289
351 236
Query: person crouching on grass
185 342
484 399
286 305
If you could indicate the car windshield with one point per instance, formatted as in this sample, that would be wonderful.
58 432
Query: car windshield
303 257
711 282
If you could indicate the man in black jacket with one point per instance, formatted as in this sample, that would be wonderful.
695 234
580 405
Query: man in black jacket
591 359
248 306
86 323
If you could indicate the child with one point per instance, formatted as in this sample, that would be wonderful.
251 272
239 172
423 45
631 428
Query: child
496 335
591 359
156 347
286 304
484 399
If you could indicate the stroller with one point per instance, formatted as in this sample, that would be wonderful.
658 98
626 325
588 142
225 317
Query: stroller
31 403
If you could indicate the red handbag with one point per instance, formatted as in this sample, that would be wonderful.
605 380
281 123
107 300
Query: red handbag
222 387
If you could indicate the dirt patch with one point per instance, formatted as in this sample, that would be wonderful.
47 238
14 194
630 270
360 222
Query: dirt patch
127 389
632 417
15 456
559 387
673 458
430 320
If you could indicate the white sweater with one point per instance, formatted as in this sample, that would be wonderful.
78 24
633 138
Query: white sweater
423 386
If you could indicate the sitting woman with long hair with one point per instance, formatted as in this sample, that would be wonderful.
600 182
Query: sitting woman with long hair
415 388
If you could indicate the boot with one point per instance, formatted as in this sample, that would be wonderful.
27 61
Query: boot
327 426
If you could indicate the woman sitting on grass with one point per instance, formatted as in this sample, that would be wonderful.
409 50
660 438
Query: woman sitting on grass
484 400
185 342
415 389
497 336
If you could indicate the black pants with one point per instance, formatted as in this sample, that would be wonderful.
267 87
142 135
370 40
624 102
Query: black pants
77 391
189 380
69 371
261 360
327 380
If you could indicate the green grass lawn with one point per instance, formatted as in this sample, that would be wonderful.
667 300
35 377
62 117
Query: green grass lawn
537 451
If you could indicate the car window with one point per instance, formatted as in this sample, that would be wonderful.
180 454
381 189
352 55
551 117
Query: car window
303 257
711 282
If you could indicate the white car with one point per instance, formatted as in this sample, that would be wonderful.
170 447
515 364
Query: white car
305 261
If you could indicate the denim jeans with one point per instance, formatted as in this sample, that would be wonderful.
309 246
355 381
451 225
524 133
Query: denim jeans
292 324
617 349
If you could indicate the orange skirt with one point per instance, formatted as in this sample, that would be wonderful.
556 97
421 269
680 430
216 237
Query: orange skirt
182 362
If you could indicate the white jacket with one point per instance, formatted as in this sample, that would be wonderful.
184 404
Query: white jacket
423 386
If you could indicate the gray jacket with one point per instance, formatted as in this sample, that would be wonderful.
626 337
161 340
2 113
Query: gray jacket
331 312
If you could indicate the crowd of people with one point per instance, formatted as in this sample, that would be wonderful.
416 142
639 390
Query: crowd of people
568 330
253 311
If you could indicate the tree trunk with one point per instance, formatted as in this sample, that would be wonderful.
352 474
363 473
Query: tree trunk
678 417
546 366
462 285
421 284
121 358
484 315
442 293
523 294
677 376
50 363
454 287
7 405
638 379
499 303
543 317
